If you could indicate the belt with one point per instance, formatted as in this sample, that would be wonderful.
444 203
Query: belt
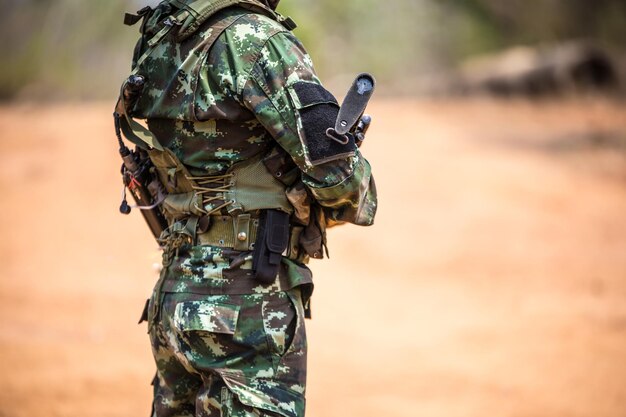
240 233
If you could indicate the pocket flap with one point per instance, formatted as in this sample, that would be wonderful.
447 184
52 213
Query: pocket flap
206 316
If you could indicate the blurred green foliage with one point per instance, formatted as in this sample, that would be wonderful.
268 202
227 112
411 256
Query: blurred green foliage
62 48
75 49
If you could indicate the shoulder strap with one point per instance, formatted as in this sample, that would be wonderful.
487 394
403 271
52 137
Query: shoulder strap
201 10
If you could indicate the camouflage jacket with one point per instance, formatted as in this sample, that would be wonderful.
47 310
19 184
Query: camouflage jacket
238 103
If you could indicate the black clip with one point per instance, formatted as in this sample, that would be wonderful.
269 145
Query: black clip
288 23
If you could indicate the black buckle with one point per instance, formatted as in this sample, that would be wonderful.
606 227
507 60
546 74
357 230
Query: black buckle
288 23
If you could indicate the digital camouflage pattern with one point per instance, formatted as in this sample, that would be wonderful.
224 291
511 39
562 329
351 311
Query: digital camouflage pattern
219 107
230 355
206 270
224 344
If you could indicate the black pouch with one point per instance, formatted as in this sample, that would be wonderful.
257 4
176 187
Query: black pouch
272 240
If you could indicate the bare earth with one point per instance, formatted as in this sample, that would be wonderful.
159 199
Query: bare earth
493 284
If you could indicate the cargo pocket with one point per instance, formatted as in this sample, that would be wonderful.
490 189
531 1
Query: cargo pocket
283 323
204 332
279 322
317 111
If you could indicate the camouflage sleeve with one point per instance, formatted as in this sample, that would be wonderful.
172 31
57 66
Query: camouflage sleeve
345 186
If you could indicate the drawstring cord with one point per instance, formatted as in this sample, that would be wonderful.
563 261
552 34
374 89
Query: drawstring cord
211 189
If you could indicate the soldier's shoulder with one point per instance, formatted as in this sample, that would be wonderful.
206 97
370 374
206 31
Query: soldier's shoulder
253 29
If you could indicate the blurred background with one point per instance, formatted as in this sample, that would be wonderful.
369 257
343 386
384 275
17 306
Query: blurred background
56 49
494 279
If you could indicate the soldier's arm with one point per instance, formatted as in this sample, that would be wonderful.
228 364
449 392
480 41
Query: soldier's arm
280 89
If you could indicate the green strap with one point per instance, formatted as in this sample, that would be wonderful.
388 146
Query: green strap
138 134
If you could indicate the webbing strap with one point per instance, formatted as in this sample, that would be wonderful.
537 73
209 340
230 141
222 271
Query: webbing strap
225 232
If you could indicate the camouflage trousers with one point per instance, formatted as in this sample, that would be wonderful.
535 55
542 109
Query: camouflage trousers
229 355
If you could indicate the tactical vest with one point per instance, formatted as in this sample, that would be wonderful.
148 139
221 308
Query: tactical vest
172 96
220 210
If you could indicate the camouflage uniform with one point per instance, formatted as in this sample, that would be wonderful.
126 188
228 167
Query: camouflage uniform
225 344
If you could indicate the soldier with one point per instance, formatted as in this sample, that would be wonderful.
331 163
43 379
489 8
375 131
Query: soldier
247 183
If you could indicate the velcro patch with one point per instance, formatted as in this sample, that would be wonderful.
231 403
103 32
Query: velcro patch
318 111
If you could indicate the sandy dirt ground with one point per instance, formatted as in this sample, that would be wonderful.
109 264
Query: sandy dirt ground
493 283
